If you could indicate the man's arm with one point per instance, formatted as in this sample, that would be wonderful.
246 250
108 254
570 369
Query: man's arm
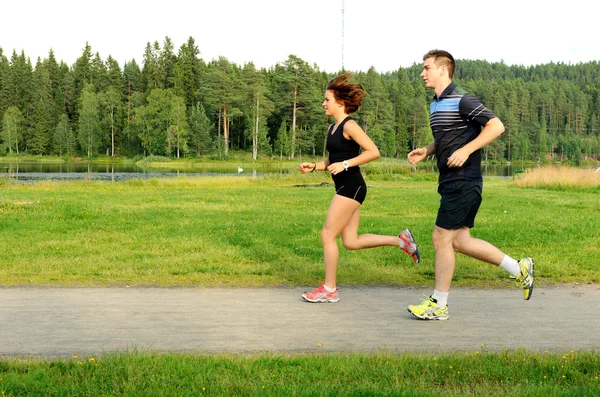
492 130
420 153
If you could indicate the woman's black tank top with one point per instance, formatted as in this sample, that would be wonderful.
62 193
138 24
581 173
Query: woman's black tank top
341 149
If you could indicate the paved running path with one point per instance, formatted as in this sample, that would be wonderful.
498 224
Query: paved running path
60 322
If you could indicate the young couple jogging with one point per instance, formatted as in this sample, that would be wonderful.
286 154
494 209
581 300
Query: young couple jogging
461 126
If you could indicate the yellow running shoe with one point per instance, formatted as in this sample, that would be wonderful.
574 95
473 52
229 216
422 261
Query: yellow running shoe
525 278
429 310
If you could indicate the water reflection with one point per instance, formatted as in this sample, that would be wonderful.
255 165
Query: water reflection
32 171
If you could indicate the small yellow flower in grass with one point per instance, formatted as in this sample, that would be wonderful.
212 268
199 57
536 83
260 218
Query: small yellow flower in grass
435 359
319 345
545 377
92 359
75 357
482 345
563 376
596 378
203 389
477 353
545 351
81 363
450 366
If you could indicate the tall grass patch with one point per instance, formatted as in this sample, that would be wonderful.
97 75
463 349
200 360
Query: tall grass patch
561 178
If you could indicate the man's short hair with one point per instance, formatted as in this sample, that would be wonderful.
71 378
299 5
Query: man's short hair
442 58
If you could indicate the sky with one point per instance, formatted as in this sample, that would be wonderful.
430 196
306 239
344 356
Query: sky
384 34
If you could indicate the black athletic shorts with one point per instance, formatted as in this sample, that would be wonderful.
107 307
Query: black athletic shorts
357 193
459 204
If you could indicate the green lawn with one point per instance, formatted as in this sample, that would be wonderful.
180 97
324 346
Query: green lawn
517 373
244 231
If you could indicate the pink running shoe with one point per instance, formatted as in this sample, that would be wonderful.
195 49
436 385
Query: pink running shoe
410 245
321 295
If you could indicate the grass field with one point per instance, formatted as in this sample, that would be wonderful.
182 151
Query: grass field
518 373
245 231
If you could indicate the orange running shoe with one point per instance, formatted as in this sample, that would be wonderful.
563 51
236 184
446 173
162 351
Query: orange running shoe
410 245
321 295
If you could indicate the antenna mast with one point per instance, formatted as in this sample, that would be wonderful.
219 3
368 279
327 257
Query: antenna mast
342 34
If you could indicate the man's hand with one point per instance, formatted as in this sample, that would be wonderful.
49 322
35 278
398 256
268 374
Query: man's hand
417 155
458 158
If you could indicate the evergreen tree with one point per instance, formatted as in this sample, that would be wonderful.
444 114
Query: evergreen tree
82 75
114 75
167 60
43 112
402 96
282 143
133 84
4 76
188 72
201 129
377 113
55 74
151 72
64 138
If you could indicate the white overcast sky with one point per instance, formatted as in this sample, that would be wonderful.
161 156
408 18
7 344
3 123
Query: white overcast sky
386 34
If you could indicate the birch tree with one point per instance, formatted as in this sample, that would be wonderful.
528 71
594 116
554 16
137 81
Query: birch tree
12 130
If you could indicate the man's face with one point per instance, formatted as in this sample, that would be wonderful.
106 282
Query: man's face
431 73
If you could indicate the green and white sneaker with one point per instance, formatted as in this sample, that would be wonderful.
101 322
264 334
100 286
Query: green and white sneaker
525 278
429 310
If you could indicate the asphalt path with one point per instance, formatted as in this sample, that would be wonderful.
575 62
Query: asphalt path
62 322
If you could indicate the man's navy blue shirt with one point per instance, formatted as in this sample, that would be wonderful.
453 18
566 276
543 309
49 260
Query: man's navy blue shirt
456 119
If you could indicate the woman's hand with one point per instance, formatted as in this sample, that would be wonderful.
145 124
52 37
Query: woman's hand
307 167
336 168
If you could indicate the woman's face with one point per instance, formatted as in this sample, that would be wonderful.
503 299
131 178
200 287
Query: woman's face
331 106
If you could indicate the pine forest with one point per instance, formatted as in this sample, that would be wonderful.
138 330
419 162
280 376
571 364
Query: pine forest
177 105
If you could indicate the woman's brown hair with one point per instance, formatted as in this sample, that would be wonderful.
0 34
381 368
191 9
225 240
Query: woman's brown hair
350 94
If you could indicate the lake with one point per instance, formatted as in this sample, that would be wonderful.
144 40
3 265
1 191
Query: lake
34 171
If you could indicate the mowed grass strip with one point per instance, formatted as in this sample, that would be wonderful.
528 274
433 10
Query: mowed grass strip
517 373
265 231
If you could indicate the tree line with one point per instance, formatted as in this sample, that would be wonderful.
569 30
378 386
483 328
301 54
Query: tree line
175 104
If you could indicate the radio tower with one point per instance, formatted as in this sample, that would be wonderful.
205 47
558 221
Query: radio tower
342 34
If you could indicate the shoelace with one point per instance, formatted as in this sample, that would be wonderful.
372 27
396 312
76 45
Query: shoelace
427 300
